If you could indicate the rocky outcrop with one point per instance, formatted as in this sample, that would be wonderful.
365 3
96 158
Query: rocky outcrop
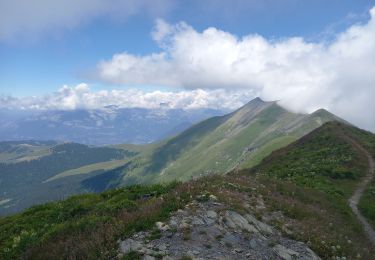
208 230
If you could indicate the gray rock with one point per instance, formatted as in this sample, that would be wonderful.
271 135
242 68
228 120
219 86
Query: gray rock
130 245
197 221
184 225
162 247
234 220
173 223
230 238
238 250
285 253
148 257
310 255
262 227
162 226
253 243
146 251
211 214
209 231
210 217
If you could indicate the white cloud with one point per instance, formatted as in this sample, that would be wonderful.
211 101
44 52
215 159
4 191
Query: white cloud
33 18
80 96
163 29
339 75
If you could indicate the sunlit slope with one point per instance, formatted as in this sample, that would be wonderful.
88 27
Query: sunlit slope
57 171
18 151
216 145
219 144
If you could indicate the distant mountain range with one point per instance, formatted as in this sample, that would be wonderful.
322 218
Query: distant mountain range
240 139
109 125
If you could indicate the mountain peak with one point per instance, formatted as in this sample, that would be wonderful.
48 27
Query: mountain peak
323 113
257 100
256 104
321 110
328 116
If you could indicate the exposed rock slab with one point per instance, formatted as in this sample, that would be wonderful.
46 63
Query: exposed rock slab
207 230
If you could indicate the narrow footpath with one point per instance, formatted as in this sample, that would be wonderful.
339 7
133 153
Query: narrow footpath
354 200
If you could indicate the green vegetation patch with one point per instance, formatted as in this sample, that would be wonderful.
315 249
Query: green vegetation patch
107 215
323 160
367 203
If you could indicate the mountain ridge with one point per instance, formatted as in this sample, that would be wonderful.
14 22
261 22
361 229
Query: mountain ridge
239 139
219 144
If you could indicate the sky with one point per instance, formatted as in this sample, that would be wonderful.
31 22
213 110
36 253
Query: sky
190 54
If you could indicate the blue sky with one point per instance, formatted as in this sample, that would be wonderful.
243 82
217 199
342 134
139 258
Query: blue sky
41 63
73 54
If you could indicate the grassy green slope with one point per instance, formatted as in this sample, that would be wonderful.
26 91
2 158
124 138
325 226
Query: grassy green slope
324 163
95 220
308 181
25 183
130 152
238 140
324 160
17 151
367 204
315 167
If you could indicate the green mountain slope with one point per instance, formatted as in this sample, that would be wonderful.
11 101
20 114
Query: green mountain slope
327 160
17 151
24 182
301 190
217 145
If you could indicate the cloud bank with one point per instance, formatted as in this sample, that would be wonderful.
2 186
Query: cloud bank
81 97
338 75
33 18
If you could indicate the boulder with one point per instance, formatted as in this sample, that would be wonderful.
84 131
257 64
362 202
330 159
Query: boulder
162 226
261 226
129 245
235 220
285 253
211 214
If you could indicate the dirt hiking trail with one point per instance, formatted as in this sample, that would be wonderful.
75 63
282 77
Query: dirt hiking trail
355 198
